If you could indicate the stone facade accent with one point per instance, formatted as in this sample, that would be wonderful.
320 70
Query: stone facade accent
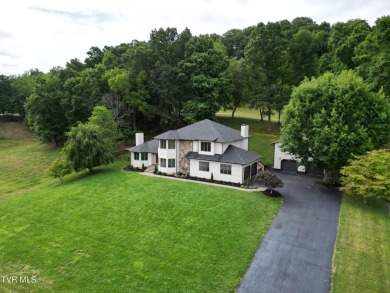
184 164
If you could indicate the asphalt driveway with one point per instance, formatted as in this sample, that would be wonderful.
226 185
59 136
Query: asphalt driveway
296 253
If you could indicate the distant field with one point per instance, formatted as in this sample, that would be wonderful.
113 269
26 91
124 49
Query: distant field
362 254
261 139
13 127
244 112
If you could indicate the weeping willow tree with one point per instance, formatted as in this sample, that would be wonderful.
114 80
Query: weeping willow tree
86 147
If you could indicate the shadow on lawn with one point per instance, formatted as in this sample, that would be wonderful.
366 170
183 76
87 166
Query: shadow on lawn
75 177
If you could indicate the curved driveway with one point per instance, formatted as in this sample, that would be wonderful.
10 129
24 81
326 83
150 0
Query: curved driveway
296 253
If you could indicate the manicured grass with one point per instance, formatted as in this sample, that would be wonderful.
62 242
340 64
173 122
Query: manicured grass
23 163
244 112
261 139
118 231
13 127
362 257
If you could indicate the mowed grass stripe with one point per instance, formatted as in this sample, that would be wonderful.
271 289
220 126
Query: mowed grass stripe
362 258
23 164
126 232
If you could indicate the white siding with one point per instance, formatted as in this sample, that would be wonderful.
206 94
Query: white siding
214 167
195 146
168 154
279 155
242 144
138 163
218 148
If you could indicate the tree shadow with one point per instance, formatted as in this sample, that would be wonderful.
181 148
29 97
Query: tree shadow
85 174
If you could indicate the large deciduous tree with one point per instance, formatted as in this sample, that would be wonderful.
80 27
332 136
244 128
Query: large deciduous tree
368 175
168 49
5 95
343 40
303 57
239 71
333 117
266 54
45 109
207 82
372 56
22 88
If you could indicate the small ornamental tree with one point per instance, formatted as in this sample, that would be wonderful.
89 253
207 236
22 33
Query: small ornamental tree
268 179
59 168
368 175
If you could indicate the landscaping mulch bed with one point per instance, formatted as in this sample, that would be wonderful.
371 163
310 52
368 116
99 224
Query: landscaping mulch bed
274 193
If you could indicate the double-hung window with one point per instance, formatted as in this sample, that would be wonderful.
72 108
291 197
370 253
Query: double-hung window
163 163
204 166
171 144
136 156
163 144
226 169
144 156
171 163
205 146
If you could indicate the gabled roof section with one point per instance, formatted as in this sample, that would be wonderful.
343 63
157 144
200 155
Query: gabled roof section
206 130
171 134
232 155
147 147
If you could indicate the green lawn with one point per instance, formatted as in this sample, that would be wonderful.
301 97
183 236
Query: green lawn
247 113
23 163
362 258
118 231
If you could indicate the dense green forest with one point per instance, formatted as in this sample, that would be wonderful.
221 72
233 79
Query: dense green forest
176 78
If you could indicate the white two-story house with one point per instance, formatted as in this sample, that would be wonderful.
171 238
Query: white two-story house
199 150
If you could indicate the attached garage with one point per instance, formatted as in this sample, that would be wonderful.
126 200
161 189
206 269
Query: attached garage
289 166
288 163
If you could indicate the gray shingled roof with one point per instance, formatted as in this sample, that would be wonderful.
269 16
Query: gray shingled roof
206 130
233 155
147 147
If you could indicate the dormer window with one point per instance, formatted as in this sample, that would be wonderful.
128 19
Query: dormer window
205 146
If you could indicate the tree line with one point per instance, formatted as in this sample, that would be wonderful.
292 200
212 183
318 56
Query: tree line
176 78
